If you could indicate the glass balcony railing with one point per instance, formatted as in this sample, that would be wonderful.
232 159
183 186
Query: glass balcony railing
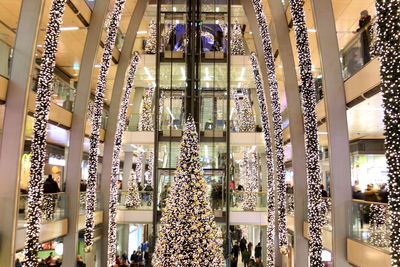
5 55
238 201
370 223
145 203
356 54
82 202
54 208
63 95
238 198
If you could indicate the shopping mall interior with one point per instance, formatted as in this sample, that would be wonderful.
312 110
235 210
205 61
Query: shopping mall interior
198 133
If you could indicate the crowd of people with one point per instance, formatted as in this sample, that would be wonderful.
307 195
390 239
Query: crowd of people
250 256
139 258
371 193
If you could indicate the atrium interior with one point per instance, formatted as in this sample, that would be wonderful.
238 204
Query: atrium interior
200 133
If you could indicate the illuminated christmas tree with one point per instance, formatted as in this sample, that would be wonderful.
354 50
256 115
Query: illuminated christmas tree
133 197
146 120
188 233
151 42
237 44
245 118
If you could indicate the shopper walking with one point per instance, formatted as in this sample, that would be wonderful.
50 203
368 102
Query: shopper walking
257 251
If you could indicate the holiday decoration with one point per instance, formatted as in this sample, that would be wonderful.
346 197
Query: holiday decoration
314 182
188 233
146 120
121 124
250 181
139 170
96 121
49 206
237 44
38 147
270 164
167 36
245 117
277 124
133 197
388 50
151 42
377 225
150 169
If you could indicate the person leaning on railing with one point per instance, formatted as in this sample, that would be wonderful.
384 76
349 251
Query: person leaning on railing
364 26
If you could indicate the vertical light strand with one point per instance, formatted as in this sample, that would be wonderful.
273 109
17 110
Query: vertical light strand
96 122
146 120
121 124
314 182
237 44
38 147
277 124
388 50
270 164
151 41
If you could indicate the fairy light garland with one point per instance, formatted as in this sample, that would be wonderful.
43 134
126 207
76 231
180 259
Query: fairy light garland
38 147
251 181
133 197
112 224
269 161
388 50
96 122
237 44
244 111
151 42
188 234
146 120
277 124
150 169
314 181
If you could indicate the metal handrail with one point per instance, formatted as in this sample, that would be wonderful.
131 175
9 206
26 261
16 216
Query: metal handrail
369 202
45 194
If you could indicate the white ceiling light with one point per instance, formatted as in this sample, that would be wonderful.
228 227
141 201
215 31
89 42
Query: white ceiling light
69 28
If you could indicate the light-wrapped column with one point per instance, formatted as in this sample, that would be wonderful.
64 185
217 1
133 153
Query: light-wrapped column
112 225
270 164
388 50
277 124
314 182
38 147
96 122
251 181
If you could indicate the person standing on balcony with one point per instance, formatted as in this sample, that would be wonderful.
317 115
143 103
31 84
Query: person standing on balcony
364 25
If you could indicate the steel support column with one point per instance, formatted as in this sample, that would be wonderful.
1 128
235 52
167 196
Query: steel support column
119 83
14 124
296 127
77 132
335 106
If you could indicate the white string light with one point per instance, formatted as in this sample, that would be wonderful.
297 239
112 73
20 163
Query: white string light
244 111
188 233
151 42
277 124
146 120
388 50
96 122
112 224
270 164
314 182
237 44
250 180
38 147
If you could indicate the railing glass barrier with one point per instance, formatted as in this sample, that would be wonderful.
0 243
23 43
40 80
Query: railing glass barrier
370 223
356 53
82 202
240 201
54 208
